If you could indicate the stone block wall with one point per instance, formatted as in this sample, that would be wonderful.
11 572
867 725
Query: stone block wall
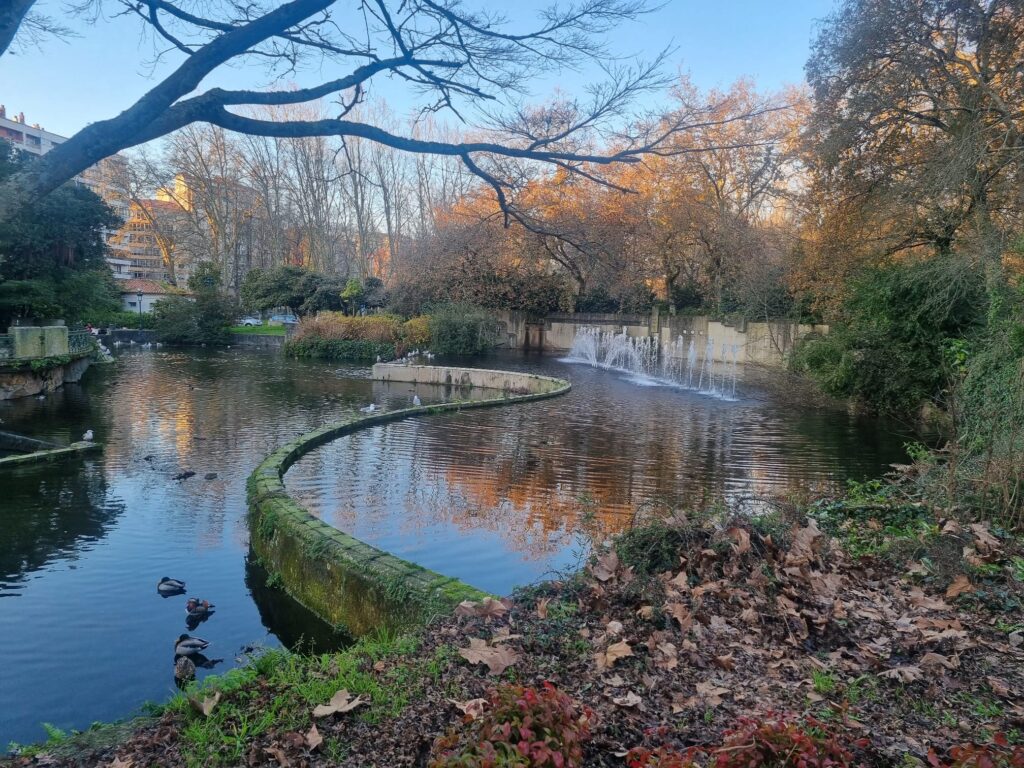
30 341
348 583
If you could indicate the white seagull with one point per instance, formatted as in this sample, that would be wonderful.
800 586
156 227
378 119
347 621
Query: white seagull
87 436
369 409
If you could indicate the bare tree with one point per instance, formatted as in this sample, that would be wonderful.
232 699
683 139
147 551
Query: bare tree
22 27
456 58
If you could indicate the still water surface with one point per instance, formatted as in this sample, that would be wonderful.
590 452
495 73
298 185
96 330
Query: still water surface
497 497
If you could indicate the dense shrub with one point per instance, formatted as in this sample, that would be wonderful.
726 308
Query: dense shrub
461 329
524 728
118 319
349 350
416 332
205 320
338 327
597 300
662 757
333 336
998 754
778 742
887 349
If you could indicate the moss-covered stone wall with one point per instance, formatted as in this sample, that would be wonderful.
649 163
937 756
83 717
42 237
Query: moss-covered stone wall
347 582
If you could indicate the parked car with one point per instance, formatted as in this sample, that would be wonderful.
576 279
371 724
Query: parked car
251 320
283 319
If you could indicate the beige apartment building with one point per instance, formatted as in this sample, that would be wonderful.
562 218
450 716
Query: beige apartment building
136 250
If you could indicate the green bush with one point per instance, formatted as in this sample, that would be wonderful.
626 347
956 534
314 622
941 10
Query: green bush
206 320
349 350
461 329
887 349
118 319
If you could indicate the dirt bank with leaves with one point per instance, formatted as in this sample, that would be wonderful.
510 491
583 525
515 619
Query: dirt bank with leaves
691 642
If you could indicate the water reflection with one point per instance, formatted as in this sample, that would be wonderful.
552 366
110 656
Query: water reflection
500 497
293 624
496 496
49 515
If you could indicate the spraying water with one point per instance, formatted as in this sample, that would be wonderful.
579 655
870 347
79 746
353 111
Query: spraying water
672 363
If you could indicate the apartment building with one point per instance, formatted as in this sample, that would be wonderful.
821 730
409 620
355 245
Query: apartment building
136 251
28 138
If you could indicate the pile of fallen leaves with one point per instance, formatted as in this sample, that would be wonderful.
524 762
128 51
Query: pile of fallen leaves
899 667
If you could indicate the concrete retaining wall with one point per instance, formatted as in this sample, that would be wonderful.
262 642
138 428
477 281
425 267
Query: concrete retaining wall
764 343
448 376
53 454
348 583
20 380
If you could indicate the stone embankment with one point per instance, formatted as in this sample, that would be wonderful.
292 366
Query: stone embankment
347 582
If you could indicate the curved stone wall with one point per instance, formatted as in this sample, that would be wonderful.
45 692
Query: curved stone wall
348 583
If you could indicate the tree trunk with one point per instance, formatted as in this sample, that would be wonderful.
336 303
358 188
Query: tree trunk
12 14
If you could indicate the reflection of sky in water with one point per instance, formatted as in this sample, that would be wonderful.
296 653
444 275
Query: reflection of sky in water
497 496
494 496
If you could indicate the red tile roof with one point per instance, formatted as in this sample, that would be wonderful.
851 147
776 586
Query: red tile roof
135 285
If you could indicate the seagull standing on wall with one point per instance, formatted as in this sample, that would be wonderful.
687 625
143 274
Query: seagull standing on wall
416 400
369 409
87 436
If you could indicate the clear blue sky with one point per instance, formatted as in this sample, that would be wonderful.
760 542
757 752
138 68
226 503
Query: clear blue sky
67 85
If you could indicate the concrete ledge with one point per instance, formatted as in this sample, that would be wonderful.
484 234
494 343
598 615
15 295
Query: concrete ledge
49 454
506 381
347 582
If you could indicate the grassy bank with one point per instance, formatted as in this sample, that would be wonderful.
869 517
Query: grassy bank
259 330
693 641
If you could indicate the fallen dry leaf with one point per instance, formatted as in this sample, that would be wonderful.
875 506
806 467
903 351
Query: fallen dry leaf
278 754
938 660
340 702
999 686
681 614
313 738
984 541
119 763
740 540
486 608
725 662
629 700
605 566
204 707
542 607
473 708
907 674
497 658
606 659
503 635
614 628
960 585
668 658
711 694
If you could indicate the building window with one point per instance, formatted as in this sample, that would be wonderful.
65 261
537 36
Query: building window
131 303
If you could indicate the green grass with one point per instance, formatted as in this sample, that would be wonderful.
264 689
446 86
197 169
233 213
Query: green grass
278 691
259 330
824 683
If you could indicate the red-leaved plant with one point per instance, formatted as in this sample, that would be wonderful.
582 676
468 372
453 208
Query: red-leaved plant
523 728
998 754
776 742
662 757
